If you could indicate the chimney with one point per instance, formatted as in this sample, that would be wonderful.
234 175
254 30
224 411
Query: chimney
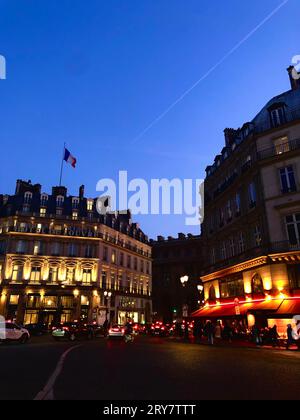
81 192
294 77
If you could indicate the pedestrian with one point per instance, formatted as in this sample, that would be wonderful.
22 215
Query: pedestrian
227 333
210 332
256 335
218 331
290 338
274 337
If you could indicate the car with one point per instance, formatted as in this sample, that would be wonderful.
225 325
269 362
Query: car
99 330
116 331
158 329
73 331
37 329
11 332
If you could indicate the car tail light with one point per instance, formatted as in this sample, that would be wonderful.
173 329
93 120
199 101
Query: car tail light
123 330
65 328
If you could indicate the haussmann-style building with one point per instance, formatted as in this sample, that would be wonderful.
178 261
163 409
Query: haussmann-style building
60 260
252 225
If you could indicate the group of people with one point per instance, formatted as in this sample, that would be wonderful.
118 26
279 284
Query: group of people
236 330
216 331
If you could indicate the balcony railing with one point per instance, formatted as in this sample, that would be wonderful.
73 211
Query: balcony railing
80 233
273 248
278 150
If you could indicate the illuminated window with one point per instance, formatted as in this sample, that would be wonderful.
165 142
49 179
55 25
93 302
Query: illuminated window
257 284
87 276
14 299
43 212
17 273
53 275
113 257
38 248
282 145
35 276
70 275
232 288
90 205
75 215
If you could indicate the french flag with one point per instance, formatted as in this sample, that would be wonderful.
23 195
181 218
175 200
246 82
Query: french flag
70 158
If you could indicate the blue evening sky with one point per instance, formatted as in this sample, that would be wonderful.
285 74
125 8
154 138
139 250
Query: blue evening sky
96 73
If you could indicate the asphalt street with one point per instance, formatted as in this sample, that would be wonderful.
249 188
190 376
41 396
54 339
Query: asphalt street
147 369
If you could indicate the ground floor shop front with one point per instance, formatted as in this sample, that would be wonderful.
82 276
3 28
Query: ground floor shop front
52 306
262 313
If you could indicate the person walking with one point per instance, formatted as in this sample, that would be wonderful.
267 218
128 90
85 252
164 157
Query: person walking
210 332
274 336
290 338
256 335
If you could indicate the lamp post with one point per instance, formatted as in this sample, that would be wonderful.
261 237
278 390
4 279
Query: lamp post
184 280
107 296
200 288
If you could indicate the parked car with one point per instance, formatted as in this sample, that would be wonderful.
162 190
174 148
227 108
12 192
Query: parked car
116 331
73 331
9 332
37 329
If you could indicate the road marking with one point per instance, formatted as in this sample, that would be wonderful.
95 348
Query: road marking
47 392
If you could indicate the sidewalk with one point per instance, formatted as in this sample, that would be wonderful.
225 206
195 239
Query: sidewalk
233 344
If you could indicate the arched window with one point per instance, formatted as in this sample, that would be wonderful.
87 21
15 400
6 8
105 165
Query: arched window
212 293
257 284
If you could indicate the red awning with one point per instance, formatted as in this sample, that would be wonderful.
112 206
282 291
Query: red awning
233 310
289 307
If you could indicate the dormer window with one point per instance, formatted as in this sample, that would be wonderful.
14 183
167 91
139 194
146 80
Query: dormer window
60 201
277 116
90 205
27 198
75 202
44 200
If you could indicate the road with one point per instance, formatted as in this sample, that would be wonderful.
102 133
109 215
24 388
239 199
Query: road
148 369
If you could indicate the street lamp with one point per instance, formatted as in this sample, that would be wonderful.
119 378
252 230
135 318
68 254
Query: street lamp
184 280
107 296
200 288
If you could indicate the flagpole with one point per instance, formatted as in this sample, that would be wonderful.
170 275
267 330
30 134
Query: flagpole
62 165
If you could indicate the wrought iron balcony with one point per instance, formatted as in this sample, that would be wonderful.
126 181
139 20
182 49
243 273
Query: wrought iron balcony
279 149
